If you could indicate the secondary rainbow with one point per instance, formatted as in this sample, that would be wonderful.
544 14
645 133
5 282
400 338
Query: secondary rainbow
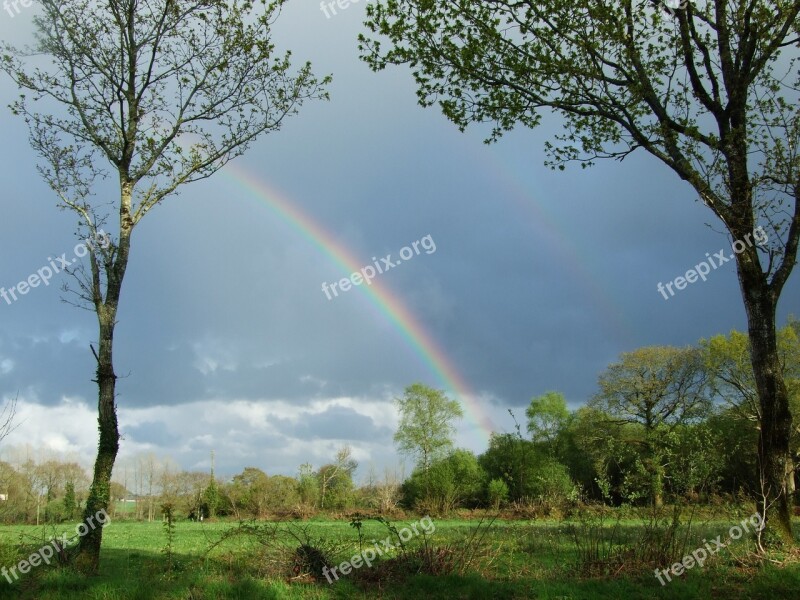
407 325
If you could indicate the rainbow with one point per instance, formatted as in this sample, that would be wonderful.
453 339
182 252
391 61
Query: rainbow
406 324
566 246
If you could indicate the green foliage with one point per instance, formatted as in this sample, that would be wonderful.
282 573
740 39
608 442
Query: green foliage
497 493
281 493
169 533
336 487
547 416
529 472
450 482
652 391
70 503
212 498
551 482
426 423
307 486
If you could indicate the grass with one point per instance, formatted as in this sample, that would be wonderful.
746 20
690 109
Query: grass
515 559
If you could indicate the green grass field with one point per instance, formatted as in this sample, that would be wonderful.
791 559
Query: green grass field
512 559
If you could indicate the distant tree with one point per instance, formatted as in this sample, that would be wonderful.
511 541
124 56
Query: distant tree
212 498
528 470
7 418
18 487
118 491
579 448
50 475
454 481
511 458
427 426
280 493
248 491
710 91
727 358
338 476
307 485
547 416
160 94
735 437
656 389
497 493
382 493
70 503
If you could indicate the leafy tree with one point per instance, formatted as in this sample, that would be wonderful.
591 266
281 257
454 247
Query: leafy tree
280 493
656 388
547 416
248 491
70 503
337 478
497 493
694 462
510 458
426 424
727 359
212 498
580 447
529 472
735 438
307 486
451 482
118 491
162 94
710 91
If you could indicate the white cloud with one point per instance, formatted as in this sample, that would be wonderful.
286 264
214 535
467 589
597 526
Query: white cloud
6 366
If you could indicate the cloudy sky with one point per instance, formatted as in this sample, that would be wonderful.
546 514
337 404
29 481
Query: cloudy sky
227 342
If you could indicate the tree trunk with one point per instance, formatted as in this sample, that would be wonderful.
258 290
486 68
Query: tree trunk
653 461
774 455
88 560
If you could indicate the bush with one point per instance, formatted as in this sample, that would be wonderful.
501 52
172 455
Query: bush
450 483
497 493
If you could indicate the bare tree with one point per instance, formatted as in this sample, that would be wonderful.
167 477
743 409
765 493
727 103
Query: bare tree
161 94
7 418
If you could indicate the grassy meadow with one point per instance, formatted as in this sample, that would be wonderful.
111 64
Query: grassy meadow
608 555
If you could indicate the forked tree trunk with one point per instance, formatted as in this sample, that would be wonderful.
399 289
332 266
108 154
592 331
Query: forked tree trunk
88 560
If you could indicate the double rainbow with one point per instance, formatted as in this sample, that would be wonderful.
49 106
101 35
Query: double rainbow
391 306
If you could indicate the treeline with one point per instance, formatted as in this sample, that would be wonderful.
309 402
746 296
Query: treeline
666 425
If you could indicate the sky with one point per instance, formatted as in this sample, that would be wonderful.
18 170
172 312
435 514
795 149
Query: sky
524 280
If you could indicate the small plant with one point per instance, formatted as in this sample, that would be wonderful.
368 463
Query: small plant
357 523
169 532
